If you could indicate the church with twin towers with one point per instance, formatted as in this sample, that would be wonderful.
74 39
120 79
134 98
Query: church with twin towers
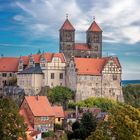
91 49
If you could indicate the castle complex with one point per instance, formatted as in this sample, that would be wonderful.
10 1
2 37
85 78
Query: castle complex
79 66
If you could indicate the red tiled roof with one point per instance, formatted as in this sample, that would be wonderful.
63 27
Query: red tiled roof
67 26
36 58
81 46
92 66
9 64
39 105
89 66
26 120
49 56
60 55
94 27
59 112
25 59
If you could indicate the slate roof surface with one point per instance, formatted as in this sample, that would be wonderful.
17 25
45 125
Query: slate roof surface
32 70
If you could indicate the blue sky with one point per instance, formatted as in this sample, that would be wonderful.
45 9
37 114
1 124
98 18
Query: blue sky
29 25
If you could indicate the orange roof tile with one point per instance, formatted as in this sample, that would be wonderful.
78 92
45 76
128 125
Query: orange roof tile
60 55
59 112
94 27
89 66
49 56
36 58
39 105
25 59
67 26
26 120
81 46
9 64
92 66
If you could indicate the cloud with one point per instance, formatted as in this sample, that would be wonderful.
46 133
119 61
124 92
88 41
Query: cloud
118 19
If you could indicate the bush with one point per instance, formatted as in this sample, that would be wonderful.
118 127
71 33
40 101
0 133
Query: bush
58 127
48 134
103 103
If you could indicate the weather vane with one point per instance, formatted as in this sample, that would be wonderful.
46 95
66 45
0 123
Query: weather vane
94 18
67 16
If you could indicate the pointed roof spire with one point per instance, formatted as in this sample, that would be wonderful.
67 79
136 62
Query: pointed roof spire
94 26
67 25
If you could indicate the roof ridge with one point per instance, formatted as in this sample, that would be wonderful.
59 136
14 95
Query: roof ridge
67 25
94 27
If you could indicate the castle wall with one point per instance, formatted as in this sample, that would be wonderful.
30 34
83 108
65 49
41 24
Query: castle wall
88 86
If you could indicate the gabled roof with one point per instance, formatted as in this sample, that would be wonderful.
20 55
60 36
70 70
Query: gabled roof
59 112
67 26
49 56
9 64
94 27
39 105
93 66
25 59
36 58
81 46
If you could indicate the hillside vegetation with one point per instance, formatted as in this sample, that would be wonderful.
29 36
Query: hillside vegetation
132 95
103 103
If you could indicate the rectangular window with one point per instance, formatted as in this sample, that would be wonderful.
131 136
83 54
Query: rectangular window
61 76
52 75
4 74
44 118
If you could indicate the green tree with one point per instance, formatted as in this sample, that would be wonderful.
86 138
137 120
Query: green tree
83 129
60 94
123 123
88 124
132 95
103 103
11 123
75 125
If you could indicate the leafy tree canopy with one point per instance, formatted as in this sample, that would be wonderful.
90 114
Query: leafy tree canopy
82 130
132 95
103 103
60 94
123 123
11 123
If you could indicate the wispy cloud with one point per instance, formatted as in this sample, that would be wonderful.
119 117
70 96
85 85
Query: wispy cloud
117 18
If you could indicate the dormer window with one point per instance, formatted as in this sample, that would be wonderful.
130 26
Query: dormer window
56 59
42 58
31 62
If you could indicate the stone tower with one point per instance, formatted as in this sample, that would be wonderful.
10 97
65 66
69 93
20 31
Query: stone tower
67 39
94 40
